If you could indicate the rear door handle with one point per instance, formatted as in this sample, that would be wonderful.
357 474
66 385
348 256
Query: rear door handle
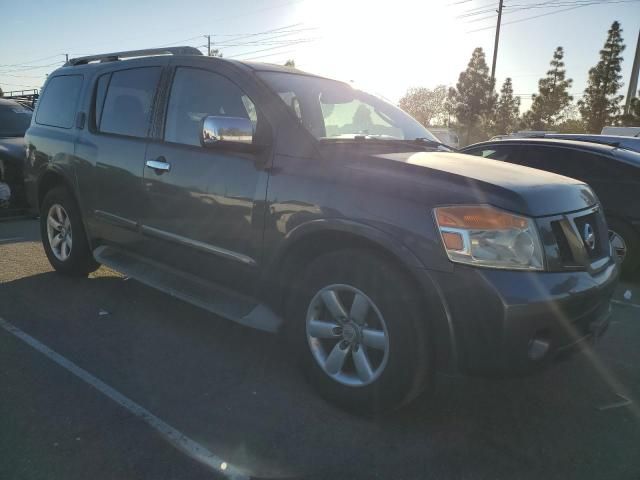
159 165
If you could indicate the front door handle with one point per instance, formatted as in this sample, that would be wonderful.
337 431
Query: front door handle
159 165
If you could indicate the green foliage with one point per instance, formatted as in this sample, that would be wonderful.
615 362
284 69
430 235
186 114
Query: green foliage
216 53
507 110
425 104
290 63
474 98
632 118
600 104
1 92
552 98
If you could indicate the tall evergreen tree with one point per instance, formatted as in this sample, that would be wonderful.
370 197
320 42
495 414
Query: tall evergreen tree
507 110
552 97
473 97
632 118
601 104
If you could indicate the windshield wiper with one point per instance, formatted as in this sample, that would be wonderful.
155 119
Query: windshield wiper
428 141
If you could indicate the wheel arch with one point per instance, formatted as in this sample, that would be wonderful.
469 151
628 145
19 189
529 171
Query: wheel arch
310 240
52 178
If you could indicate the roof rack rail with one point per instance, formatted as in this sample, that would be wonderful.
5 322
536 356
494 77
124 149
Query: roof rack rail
112 57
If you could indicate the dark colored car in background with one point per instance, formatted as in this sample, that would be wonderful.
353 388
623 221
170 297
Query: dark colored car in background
14 121
612 171
283 200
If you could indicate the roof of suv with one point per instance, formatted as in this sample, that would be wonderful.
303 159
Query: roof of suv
599 147
140 56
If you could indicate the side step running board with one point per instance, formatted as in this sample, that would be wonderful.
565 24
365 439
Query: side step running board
203 294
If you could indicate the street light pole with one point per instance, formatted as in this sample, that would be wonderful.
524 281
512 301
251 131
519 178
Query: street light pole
633 84
495 45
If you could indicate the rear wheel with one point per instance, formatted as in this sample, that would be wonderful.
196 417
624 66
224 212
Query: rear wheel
357 326
626 245
63 236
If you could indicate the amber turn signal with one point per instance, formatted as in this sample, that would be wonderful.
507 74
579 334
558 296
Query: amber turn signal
478 218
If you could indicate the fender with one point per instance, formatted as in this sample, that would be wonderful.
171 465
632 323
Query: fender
447 357
361 230
69 180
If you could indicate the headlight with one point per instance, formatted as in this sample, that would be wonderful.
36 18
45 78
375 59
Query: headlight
487 237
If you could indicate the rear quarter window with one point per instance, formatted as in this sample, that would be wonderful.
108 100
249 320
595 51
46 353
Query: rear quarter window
57 106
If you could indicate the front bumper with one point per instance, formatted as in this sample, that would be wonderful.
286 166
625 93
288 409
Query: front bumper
512 322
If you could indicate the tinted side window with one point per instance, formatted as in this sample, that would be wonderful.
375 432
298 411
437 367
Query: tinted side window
57 107
596 167
129 102
563 161
495 152
196 94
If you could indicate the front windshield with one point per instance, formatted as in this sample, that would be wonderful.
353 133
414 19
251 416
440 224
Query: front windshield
14 120
334 110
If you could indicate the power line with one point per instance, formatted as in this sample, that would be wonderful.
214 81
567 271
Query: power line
528 18
27 62
266 49
268 55
576 4
30 67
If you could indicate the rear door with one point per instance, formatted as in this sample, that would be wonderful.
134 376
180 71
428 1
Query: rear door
113 149
204 213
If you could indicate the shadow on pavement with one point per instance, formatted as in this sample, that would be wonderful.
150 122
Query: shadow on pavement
238 392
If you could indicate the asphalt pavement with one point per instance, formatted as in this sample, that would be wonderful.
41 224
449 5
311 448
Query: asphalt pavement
163 379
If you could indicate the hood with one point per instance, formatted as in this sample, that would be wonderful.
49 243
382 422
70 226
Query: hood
513 187
12 148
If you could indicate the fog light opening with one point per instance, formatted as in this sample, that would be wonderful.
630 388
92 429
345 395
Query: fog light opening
539 345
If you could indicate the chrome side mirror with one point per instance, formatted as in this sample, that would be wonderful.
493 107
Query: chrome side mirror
220 130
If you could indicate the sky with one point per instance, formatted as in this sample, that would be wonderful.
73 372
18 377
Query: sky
385 46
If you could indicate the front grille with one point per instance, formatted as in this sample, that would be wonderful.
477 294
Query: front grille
588 224
563 244
563 237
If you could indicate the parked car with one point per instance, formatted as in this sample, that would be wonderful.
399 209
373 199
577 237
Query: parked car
612 172
283 200
14 121
622 131
629 143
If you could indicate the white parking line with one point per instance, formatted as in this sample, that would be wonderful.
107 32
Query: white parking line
626 304
173 436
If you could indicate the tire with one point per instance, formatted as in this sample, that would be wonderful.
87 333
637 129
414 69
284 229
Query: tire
400 366
631 241
60 218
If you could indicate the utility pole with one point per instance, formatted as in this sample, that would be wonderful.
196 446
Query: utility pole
66 56
208 37
495 45
633 84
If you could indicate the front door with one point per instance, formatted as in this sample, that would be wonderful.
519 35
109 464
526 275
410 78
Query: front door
204 208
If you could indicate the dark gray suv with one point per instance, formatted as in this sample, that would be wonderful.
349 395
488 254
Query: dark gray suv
282 200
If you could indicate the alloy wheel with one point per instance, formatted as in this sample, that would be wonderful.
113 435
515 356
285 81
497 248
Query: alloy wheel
59 232
618 244
351 345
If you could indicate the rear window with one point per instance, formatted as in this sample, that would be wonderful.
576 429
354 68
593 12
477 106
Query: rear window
57 106
128 102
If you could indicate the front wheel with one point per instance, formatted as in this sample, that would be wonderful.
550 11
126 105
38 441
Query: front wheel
626 246
356 323
63 236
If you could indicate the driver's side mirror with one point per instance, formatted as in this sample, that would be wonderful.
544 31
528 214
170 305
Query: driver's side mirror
218 130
